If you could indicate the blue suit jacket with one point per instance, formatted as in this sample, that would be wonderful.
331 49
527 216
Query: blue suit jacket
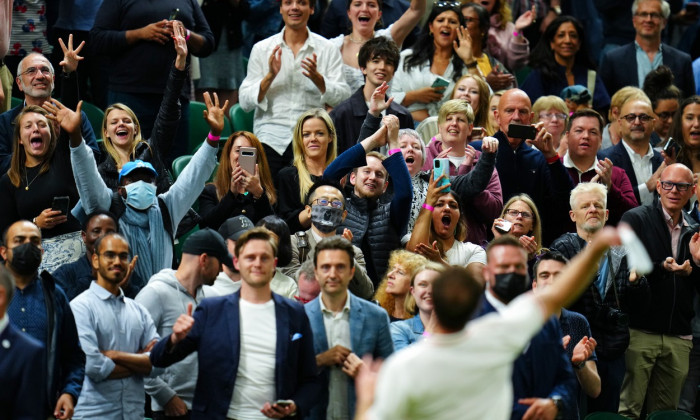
619 157
216 337
618 68
543 370
369 334
22 376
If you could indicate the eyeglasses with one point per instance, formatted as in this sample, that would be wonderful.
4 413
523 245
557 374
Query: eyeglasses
556 115
324 202
665 115
516 213
113 255
648 15
680 186
631 118
31 71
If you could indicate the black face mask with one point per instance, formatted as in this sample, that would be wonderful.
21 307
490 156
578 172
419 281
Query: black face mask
26 258
325 218
510 285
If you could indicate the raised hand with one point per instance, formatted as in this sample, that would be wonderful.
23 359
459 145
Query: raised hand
132 265
214 114
489 145
378 102
526 19
180 44
68 119
347 234
463 45
275 61
583 350
183 325
543 141
603 171
70 55
311 71
392 125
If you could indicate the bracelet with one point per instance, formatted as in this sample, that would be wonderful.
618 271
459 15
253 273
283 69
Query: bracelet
212 137
516 34
553 158
428 207
392 151
187 37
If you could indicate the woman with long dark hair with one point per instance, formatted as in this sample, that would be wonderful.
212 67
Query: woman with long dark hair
561 59
428 71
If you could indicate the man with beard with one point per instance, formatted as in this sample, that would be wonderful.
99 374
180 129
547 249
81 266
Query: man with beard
166 297
40 309
604 303
544 385
634 153
326 206
376 223
116 334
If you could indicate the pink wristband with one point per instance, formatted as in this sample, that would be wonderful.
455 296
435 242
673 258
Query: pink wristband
428 207
212 137
392 151
515 34
187 37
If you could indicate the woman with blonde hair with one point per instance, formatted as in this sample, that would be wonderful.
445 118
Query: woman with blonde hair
418 302
523 222
236 191
394 288
121 131
552 111
314 144
474 89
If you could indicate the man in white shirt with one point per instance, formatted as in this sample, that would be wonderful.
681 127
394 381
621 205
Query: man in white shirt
289 73
634 153
423 380
255 348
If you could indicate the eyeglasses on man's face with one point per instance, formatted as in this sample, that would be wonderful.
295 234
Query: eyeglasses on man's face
326 202
643 118
32 71
680 186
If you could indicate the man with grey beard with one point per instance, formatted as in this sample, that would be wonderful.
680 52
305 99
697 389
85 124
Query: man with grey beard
603 303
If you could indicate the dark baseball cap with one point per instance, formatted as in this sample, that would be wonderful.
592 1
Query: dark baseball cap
208 241
234 227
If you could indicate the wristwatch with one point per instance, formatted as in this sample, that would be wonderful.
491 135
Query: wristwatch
556 399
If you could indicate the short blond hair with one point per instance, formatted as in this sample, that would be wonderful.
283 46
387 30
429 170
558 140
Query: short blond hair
622 96
543 103
455 106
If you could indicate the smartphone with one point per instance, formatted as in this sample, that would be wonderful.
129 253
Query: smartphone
519 131
504 226
247 158
440 167
477 133
173 14
61 204
283 403
671 148
440 82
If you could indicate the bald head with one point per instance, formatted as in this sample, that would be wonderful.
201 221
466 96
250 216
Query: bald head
675 187
514 107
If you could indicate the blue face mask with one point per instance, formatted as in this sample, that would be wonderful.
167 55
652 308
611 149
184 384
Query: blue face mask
140 195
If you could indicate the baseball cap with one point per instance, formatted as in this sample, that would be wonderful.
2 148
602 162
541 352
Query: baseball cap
133 165
208 241
234 227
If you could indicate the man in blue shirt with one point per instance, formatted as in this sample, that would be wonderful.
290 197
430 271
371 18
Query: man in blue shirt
116 333
40 309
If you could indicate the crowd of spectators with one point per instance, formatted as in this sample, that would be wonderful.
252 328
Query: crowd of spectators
446 186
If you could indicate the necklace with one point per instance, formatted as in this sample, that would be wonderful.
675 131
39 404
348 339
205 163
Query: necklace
360 42
26 179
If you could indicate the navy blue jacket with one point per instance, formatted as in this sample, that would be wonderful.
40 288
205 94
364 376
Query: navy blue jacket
21 375
543 370
618 68
215 336
619 157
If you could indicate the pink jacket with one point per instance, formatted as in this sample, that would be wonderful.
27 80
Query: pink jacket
505 47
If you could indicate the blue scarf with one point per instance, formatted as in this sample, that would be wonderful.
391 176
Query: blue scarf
147 238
